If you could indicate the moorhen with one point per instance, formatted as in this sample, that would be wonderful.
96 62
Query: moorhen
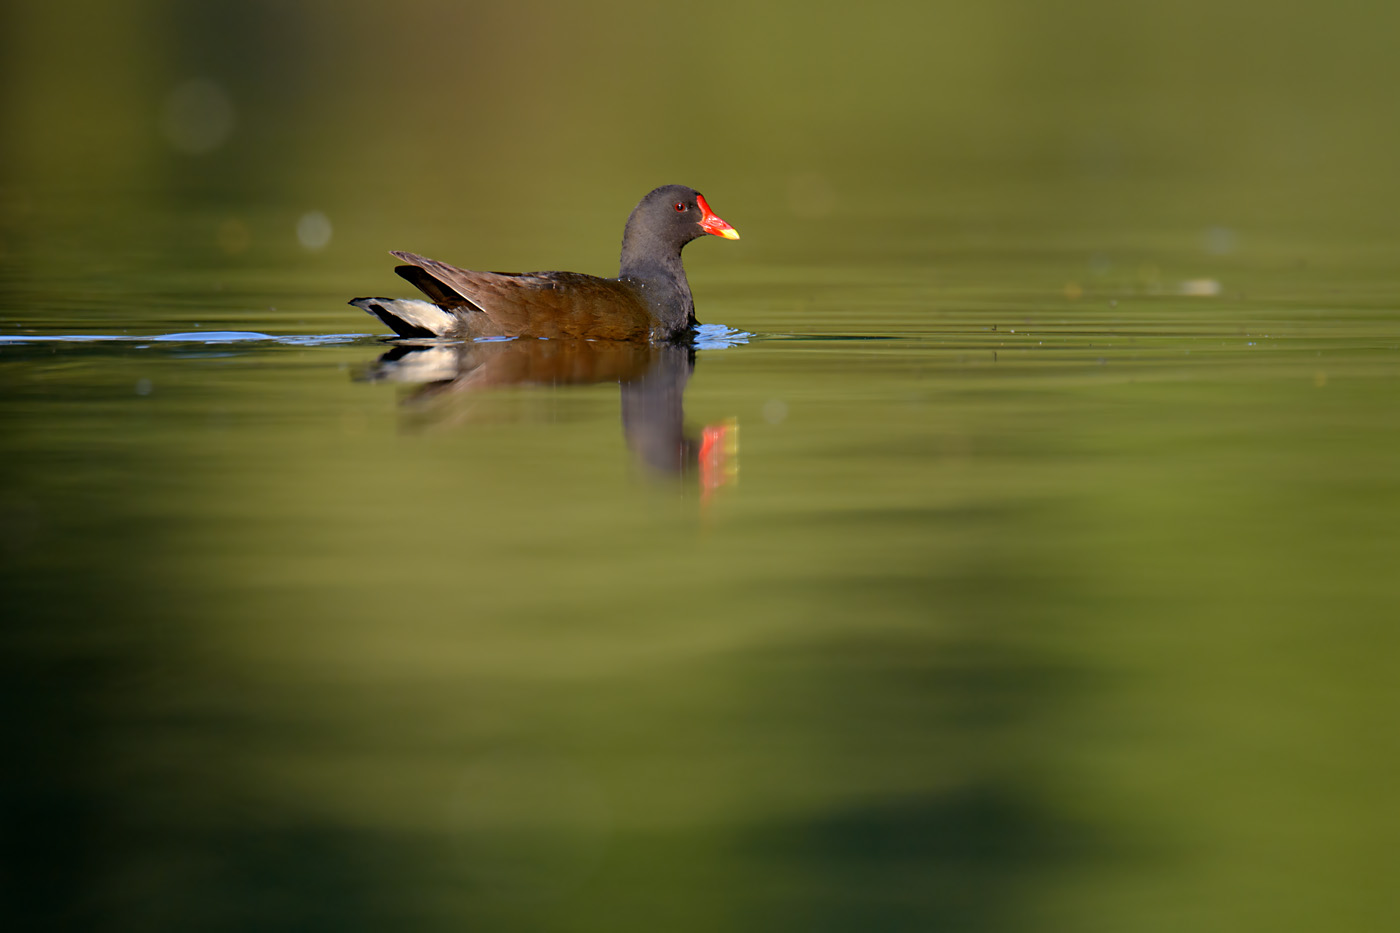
649 299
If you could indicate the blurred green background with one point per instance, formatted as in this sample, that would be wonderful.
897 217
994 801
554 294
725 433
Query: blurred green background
476 129
1066 603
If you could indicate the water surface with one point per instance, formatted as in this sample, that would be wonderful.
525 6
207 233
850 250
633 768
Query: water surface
1007 603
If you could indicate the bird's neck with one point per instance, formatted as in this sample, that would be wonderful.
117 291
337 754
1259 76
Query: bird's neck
662 285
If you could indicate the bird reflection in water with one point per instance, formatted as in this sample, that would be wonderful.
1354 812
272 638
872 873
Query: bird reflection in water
652 379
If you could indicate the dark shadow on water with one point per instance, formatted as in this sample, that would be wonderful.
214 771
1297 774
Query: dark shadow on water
958 860
103 828
979 817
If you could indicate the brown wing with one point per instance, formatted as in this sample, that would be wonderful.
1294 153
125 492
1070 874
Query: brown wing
536 304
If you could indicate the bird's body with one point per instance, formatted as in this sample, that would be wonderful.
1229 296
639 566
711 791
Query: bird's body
649 300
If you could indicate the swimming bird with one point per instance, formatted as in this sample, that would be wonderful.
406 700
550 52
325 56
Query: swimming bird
649 300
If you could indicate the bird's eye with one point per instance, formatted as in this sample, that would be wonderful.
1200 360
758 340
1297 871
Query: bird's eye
680 207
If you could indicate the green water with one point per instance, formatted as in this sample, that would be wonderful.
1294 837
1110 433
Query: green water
1036 573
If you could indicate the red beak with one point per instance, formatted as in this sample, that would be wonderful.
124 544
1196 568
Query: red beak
712 224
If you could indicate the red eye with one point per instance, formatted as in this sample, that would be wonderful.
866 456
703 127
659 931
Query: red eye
680 207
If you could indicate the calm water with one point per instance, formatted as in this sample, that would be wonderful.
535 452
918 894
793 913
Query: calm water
1063 599
1017 552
